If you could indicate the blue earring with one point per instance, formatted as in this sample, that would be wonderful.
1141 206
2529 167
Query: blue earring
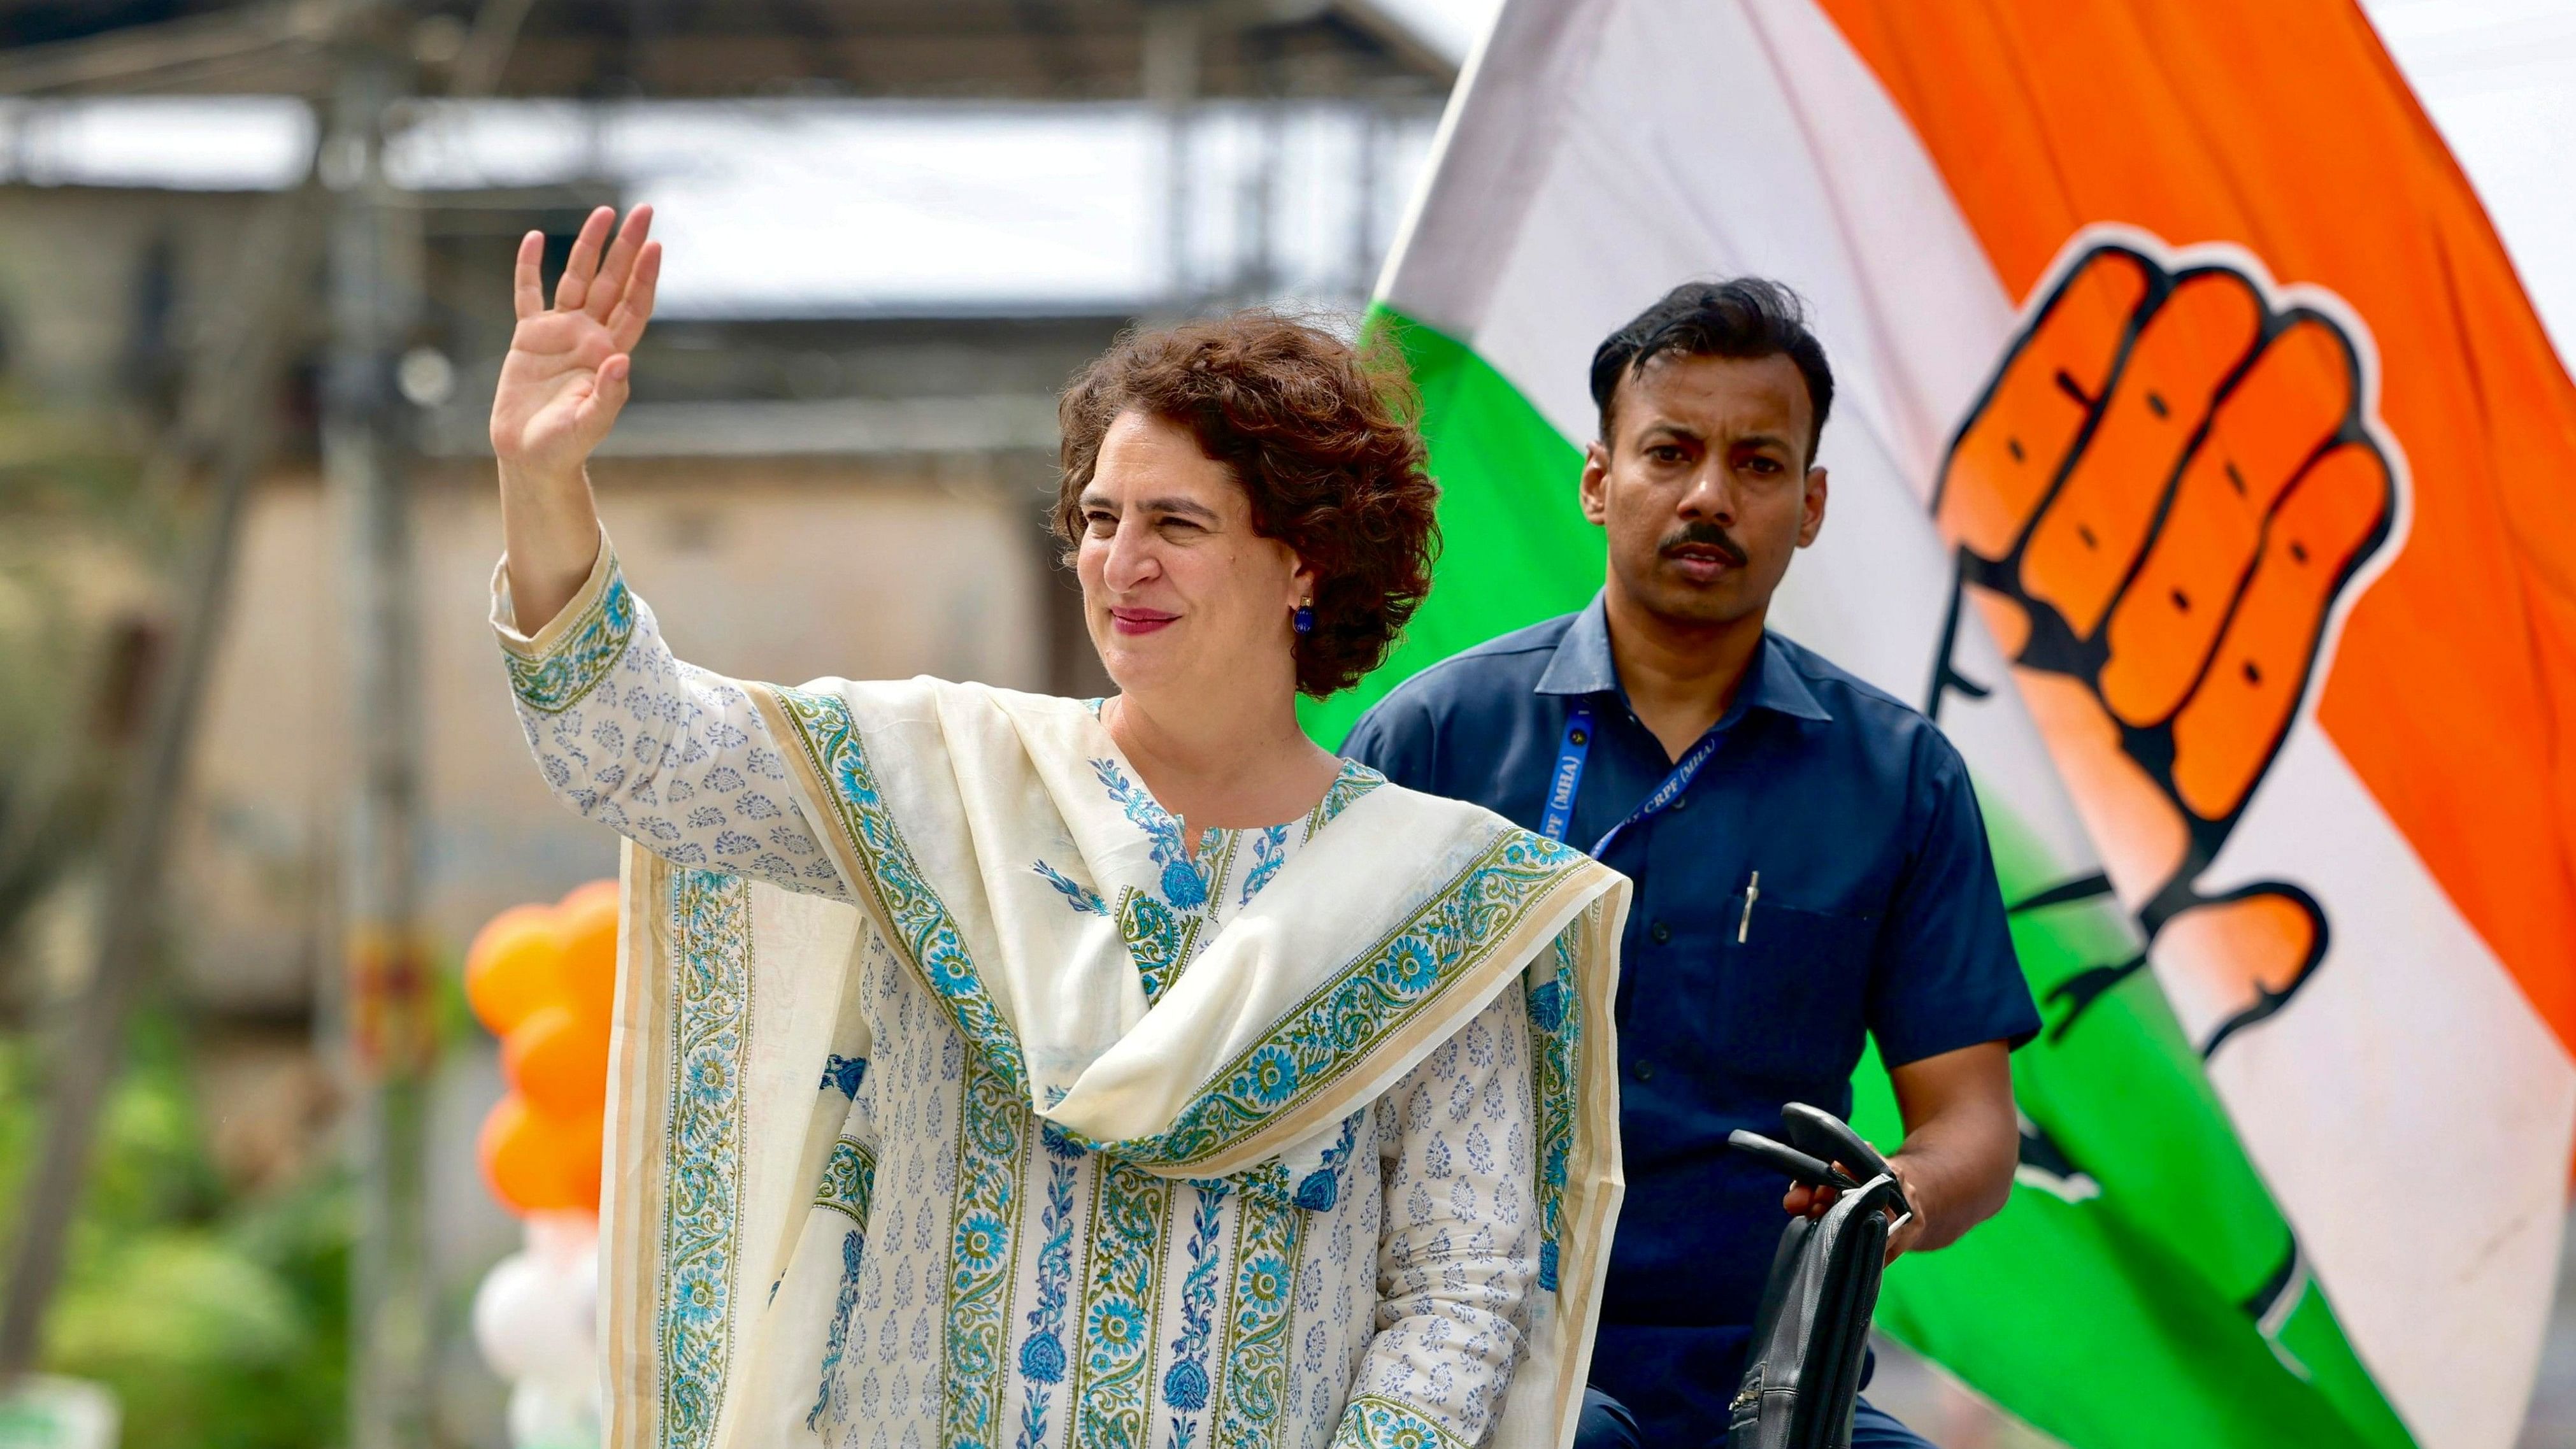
1305 620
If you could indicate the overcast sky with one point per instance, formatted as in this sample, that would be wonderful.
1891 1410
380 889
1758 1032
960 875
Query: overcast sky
807 207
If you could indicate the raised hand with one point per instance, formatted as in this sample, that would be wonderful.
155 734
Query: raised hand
2156 505
566 375
560 389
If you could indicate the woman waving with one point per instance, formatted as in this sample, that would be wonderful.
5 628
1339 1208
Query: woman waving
1003 1070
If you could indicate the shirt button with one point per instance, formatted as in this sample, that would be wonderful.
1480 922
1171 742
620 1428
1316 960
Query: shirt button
1661 932
1680 802
1642 1069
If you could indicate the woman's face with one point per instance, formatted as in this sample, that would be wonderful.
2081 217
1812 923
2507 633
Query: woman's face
1179 592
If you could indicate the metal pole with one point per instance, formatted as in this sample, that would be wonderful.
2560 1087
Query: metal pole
1171 82
374 291
1261 192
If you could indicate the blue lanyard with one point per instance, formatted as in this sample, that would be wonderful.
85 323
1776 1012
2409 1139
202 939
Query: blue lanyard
1567 778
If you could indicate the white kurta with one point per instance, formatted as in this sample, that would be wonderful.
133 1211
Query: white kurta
1386 1299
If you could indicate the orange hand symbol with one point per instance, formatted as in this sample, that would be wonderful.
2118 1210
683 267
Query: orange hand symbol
2156 504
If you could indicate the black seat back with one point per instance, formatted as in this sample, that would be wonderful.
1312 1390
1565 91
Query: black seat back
1802 1368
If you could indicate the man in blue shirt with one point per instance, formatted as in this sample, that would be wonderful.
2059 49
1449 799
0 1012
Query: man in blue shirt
1809 859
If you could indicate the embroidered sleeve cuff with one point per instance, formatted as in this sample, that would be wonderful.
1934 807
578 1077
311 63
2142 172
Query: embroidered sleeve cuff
1372 1422
553 669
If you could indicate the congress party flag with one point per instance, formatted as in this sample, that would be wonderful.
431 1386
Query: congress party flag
2200 465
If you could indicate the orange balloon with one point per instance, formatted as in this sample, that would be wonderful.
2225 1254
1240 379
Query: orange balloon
583 1142
558 1060
514 966
538 1162
517 1164
588 920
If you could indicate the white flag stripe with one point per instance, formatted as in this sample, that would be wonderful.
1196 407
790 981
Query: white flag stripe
2408 1108
1489 160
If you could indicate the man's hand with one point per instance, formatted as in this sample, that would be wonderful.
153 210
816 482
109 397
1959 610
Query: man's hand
2156 505
560 389
1962 1139
1810 1202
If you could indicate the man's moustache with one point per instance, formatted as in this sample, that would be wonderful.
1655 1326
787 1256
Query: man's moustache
1710 535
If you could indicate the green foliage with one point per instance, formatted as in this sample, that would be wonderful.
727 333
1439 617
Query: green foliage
220 1323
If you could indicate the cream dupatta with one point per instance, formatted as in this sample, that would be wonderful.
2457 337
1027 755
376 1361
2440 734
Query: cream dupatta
1374 945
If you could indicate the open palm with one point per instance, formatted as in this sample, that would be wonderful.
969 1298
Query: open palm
566 375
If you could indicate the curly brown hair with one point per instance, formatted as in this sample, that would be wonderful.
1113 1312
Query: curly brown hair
1321 436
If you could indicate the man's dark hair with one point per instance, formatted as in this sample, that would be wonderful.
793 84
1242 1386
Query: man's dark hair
1742 317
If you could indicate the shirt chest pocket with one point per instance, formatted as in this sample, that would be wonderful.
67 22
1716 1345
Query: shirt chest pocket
1791 987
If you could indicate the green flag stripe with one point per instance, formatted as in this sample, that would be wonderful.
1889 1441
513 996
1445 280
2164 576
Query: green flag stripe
2125 1318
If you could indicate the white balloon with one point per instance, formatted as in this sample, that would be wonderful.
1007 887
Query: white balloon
547 1415
533 1320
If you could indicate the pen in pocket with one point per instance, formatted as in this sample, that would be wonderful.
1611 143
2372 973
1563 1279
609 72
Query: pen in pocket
1752 893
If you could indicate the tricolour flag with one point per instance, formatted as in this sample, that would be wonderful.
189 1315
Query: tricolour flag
2200 464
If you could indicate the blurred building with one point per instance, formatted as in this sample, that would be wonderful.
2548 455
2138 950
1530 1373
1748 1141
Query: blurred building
894 231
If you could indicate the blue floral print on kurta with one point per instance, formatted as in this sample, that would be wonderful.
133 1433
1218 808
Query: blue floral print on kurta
1318 1190
1117 1325
1269 852
1266 1246
1159 939
582 656
1182 884
1042 1352
993 1148
1185 1384
1083 899
1130 1227
1376 1422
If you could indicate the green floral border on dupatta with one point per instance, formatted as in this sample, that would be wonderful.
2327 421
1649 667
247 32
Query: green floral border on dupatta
1269 1249
710 920
1556 1031
1319 1040
924 930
